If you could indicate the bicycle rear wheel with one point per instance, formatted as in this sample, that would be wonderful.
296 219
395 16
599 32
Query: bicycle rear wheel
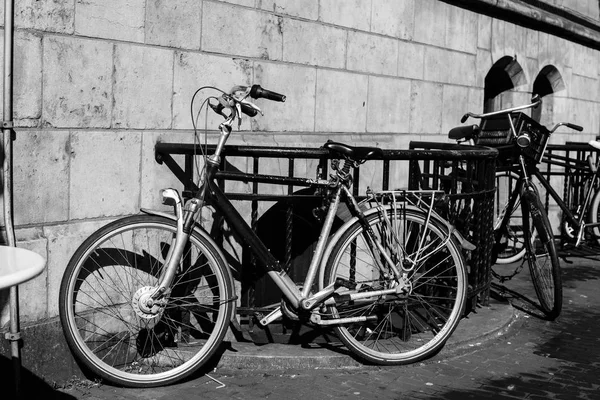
541 256
408 326
594 215
107 321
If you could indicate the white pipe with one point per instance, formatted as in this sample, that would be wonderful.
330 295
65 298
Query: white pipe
7 130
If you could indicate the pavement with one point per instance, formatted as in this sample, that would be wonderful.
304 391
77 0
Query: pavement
504 350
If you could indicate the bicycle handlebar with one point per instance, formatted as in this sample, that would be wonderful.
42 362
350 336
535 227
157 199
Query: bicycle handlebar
536 101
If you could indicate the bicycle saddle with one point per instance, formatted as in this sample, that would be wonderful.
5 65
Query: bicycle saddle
354 153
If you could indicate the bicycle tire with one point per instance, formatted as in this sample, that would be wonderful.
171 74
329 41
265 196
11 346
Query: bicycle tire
593 216
514 248
412 328
100 300
542 259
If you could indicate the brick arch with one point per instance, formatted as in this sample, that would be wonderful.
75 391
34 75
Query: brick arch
548 81
505 75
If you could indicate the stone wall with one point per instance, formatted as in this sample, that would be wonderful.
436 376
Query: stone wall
99 82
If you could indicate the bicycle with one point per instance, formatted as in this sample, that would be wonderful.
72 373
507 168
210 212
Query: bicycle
147 299
578 216
522 226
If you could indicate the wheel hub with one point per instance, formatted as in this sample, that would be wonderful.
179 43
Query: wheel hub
143 304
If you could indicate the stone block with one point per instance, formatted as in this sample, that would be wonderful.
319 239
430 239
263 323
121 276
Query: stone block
455 103
77 81
394 18
483 62
389 105
314 44
174 23
475 100
449 67
63 240
484 32
584 88
585 113
194 70
111 19
27 75
372 53
411 60
260 35
341 102
49 16
532 45
430 22
355 14
497 43
143 87
308 9
426 107
105 173
155 176
298 83
515 40
41 177
587 59
461 30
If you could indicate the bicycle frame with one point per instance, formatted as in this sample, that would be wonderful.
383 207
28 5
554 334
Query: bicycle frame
211 193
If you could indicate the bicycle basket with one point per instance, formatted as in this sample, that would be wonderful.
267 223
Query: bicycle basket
538 135
496 132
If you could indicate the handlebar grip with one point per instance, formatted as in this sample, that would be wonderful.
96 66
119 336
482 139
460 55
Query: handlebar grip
464 118
256 92
573 126
463 132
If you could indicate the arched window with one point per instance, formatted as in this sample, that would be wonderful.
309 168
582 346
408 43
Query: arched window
548 82
505 75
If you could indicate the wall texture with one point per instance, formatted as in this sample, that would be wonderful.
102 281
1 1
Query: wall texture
99 82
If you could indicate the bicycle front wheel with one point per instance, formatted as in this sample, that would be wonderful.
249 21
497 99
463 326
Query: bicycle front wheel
104 310
511 246
541 256
415 322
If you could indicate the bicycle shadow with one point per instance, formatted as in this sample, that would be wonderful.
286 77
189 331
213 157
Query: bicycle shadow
518 300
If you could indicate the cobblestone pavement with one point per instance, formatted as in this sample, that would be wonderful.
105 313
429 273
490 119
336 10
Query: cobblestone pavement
536 359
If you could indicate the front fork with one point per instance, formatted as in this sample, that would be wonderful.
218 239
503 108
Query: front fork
185 221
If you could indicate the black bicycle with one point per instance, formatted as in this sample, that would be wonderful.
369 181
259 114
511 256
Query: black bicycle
522 227
147 299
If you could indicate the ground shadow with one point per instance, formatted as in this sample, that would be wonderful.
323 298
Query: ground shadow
31 387
518 300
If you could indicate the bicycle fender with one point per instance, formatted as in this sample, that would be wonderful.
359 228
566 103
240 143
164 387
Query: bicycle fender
464 243
533 201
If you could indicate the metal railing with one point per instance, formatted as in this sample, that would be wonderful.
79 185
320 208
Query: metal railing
289 224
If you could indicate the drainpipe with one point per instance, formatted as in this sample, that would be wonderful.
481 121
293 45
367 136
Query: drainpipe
7 129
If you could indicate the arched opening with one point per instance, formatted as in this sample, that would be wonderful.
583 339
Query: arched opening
505 75
547 82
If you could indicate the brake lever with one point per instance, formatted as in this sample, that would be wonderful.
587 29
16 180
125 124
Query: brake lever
252 106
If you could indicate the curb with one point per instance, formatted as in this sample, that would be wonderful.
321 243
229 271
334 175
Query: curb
486 324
